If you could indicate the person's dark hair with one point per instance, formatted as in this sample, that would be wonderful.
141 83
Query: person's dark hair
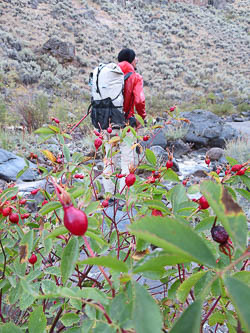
126 55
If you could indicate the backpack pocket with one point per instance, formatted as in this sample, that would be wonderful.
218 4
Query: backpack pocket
105 113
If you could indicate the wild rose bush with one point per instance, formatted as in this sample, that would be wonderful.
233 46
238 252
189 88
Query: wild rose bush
82 272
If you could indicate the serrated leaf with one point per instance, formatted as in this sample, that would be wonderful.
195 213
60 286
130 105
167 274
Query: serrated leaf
239 293
92 207
185 287
244 193
156 204
107 261
174 237
49 207
10 328
44 130
243 276
37 321
21 172
66 153
145 304
68 319
54 128
49 155
69 258
56 232
171 176
189 321
139 119
156 262
215 318
150 156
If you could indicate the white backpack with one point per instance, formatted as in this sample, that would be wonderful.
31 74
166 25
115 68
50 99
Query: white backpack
107 96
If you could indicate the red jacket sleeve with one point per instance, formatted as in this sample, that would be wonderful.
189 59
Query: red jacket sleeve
139 97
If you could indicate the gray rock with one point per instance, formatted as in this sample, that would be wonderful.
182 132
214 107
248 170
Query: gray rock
180 147
215 153
158 139
58 48
207 129
11 164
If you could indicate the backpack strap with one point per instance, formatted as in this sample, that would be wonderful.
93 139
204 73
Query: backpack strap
125 78
127 75
97 79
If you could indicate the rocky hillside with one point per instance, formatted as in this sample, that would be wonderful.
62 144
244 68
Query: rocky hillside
186 49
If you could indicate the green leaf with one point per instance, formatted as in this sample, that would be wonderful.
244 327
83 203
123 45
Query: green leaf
49 207
146 313
239 293
94 236
107 261
54 128
177 197
231 160
94 294
190 320
69 258
44 130
8 193
244 193
121 309
49 287
57 232
215 318
243 276
205 224
156 204
228 212
10 328
37 321
69 319
150 156
185 287
66 153
157 261
21 172
139 118
171 176
175 237
92 207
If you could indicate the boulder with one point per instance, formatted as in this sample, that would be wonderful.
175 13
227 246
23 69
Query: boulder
207 129
215 153
59 49
11 164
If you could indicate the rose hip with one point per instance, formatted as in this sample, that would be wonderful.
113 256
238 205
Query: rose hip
97 143
130 179
203 203
146 137
34 192
236 167
219 234
14 218
241 172
33 259
169 164
207 161
105 203
6 211
75 220
22 201
156 212
44 202
25 216
109 130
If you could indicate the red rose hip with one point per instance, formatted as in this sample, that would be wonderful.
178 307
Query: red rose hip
75 220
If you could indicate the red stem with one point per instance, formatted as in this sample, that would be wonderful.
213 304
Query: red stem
100 267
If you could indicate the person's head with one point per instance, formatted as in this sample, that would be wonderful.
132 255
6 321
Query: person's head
127 55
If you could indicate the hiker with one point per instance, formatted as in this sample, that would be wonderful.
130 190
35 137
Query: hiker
133 99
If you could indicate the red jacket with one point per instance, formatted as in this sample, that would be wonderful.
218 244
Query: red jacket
133 91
